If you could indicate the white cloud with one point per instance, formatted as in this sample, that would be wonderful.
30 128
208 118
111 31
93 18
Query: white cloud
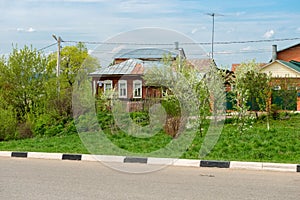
238 14
269 34
248 48
20 29
28 30
90 51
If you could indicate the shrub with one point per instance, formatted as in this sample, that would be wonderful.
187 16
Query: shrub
8 124
140 118
43 123
24 130
51 124
105 119
275 111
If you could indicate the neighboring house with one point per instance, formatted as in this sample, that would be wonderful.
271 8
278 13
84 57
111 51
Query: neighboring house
285 71
284 68
285 83
287 54
125 75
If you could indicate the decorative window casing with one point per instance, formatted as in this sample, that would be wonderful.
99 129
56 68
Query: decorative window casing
137 89
108 85
122 86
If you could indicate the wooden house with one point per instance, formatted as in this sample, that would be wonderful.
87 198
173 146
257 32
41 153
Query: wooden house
125 74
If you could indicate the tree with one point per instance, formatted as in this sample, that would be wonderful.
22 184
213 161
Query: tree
250 86
75 64
187 88
23 81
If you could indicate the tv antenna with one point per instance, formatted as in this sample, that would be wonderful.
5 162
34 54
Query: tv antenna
213 15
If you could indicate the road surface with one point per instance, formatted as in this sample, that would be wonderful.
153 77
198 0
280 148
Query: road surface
56 179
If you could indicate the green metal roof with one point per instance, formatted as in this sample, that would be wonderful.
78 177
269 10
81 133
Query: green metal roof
292 64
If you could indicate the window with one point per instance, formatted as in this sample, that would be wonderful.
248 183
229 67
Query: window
291 87
122 89
108 85
277 87
137 89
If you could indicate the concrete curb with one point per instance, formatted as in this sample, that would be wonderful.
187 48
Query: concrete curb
156 161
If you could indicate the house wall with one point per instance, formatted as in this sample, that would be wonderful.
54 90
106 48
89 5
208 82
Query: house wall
292 53
147 92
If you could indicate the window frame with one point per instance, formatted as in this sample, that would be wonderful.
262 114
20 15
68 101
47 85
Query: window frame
119 88
134 89
107 82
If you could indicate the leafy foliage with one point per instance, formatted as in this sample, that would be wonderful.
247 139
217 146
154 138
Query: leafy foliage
249 85
33 101
23 81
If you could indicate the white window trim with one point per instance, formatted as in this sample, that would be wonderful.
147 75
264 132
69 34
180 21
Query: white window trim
277 87
119 88
141 89
106 82
94 87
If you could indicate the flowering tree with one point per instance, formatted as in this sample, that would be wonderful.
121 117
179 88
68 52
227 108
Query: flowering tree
250 85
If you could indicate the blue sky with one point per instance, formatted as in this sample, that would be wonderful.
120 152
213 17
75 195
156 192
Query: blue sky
32 22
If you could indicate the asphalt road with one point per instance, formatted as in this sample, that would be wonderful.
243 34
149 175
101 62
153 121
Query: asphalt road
56 179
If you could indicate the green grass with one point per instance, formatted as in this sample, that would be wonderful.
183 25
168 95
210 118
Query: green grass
58 144
280 144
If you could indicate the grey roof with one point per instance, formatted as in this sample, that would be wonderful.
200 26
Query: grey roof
144 53
128 67
202 65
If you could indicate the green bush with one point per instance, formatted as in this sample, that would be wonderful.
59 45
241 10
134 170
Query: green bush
140 118
50 125
171 106
8 124
275 111
105 119
43 123
230 120
70 128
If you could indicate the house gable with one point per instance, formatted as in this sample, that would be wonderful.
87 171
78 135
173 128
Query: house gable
281 69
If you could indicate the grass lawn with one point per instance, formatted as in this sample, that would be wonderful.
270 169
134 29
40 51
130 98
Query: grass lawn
280 144
55 144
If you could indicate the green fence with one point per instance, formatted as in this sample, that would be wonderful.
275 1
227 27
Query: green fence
285 99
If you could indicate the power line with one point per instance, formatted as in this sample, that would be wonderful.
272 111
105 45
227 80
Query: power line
46 47
184 43
257 41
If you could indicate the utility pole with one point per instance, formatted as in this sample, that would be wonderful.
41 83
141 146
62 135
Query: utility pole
213 32
59 40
